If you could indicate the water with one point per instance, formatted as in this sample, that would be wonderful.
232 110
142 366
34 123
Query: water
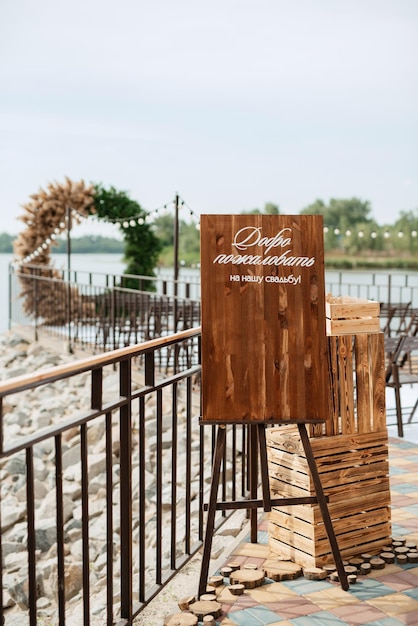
97 264
365 284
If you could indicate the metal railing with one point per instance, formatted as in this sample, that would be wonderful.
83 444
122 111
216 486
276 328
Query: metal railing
97 310
154 456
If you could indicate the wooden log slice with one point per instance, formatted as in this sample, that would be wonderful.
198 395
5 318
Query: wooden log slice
350 569
402 559
181 619
401 550
388 557
330 569
412 557
225 572
377 563
250 578
411 545
399 540
206 607
282 570
184 603
209 597
365 568
209 620
216 581
366 557
356 562
351 579
315 573
234 565
250 566
237 590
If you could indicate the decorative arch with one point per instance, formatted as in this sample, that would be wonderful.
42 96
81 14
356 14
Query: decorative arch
48 214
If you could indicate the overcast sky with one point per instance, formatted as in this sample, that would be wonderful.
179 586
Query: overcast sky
230 103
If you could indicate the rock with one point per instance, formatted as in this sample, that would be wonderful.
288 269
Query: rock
73 579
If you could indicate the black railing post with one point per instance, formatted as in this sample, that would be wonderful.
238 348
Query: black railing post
125 428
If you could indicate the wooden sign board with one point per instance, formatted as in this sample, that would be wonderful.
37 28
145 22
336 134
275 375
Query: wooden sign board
264 349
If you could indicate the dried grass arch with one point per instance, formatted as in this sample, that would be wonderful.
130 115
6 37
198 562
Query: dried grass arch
46 217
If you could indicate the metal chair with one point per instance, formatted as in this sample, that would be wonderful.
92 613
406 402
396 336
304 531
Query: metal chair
402 369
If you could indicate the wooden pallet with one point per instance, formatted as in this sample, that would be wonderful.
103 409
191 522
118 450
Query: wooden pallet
352 316
351 453
354 472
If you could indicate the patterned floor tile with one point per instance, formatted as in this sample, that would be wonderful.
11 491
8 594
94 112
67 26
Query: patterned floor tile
399 581
253 550
323 618
331 598
359 614
396 604
255 616
369 588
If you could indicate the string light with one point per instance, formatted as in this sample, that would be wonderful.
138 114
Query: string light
124 222
373 234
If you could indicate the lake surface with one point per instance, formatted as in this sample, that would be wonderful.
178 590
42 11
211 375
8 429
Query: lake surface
358 283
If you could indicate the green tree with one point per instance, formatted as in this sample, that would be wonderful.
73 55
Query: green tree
163 227
269 208
6 243
340 216
142 247
404 237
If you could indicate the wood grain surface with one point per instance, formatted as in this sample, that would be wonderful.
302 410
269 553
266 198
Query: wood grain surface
264 347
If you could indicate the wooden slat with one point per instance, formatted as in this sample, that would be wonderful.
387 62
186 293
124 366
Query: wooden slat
311 514
363 384
345 362
333 427
306 559
378 383
286 438
353 327
350 310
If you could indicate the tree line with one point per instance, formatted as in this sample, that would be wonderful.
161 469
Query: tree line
351 236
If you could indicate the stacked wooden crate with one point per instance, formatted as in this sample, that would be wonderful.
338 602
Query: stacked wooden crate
351 453
345 314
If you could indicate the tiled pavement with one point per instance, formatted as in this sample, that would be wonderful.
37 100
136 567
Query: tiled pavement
387 597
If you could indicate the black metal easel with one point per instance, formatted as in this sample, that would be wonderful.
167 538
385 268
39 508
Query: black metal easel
259 431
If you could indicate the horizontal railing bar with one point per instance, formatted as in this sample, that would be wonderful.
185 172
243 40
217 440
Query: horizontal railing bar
257 504
20 383
52 431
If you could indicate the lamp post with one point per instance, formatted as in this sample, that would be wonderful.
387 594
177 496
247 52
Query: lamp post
176 242
68 216
176 256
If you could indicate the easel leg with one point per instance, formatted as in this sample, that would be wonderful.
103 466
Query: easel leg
253 433
323 506
210 521
265 482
